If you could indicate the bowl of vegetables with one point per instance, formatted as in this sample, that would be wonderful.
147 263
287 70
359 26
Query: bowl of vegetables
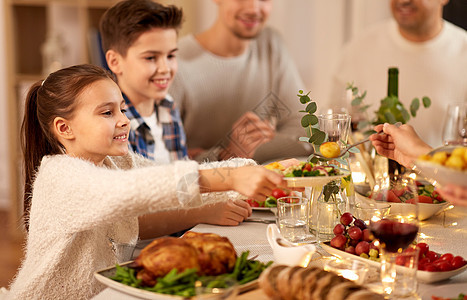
429 200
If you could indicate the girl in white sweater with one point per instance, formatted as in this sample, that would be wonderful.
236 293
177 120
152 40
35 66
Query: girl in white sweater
83 188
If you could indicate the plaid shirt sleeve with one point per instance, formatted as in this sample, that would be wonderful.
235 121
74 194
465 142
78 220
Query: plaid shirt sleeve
140 139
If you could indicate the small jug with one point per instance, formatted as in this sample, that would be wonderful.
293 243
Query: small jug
287 253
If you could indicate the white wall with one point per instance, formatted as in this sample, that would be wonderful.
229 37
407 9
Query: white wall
4 182
313 30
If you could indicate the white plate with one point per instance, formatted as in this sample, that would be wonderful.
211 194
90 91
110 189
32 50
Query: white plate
262 208
447 290
422 276
313 180
104 275
425 210
441 174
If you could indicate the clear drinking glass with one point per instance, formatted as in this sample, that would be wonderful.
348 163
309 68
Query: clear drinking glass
455 125
336 126
292 219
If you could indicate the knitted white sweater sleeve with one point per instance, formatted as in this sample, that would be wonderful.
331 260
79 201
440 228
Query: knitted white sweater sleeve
78 195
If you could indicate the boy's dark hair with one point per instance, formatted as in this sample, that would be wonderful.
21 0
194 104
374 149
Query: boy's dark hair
122 24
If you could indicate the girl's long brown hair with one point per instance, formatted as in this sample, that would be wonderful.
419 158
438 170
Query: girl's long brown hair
54 97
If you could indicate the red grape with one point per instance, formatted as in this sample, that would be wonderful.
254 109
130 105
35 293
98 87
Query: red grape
360 224
353 242
339 229
346 218
355 233
350 249
362 247
366 235
339 241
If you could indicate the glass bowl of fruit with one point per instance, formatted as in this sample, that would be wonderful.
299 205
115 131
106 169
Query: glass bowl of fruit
443 165
429 201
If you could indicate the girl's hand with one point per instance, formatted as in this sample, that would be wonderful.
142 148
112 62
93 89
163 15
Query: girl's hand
255 182
229 213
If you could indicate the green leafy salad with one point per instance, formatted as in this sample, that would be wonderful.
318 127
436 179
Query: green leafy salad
183 283
307 169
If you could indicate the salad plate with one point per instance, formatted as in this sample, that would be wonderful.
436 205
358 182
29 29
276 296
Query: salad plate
451 291
439 173
312 181
422 276
104 277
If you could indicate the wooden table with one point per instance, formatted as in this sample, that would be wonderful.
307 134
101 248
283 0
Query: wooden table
445 232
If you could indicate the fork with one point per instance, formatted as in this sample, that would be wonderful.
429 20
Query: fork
344 151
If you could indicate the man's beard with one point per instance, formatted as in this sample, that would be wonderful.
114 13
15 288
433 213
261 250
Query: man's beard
243 36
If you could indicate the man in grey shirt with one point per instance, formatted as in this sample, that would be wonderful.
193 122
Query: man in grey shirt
237 88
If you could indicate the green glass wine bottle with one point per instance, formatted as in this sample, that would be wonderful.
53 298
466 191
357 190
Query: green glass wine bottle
393 82
394 167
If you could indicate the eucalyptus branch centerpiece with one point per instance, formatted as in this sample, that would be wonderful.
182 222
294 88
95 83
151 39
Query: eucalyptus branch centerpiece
316 137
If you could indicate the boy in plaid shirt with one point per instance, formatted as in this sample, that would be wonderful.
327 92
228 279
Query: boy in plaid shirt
139 38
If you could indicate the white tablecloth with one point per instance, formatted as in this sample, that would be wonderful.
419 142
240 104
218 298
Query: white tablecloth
445 232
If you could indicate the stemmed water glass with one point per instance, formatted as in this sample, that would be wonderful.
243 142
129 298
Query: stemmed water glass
397 230
455 125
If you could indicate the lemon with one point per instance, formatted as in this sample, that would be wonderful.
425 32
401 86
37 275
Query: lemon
439 157
330 149
459 151
274 166
455 162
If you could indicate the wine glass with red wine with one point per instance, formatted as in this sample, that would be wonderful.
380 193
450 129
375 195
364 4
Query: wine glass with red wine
397 230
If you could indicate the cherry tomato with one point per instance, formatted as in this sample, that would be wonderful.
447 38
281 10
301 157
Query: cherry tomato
400 260
432 256
252 203
431 268
423 263
307 167
278 193
458 262
423 249
447 257
443 265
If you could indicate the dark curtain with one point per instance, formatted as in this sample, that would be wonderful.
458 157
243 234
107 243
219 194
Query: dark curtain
456 12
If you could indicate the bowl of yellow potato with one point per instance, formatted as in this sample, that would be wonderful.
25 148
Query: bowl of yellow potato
447 164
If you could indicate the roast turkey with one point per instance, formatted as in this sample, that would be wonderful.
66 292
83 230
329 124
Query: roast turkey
209 253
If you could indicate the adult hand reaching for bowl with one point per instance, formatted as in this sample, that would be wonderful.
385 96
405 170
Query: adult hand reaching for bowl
401 144
248 133
455 194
